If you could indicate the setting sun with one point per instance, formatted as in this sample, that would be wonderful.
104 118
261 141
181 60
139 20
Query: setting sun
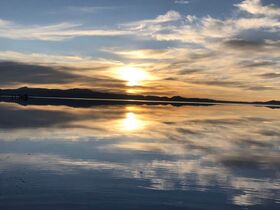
132 75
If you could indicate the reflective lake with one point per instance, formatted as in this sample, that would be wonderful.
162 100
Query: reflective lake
129 156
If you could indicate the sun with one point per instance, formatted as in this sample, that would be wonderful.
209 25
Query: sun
133 75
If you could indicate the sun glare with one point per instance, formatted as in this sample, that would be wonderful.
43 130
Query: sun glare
134 76
131 122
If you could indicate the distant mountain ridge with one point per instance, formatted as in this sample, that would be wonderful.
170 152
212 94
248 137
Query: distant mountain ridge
90 94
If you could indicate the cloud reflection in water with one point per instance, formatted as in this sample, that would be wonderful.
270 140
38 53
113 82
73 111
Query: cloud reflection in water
230 149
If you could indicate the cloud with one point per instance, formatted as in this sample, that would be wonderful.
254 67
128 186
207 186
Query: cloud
55 32
148 54
4 23
86 9
173 26
271 75
244 44
142 25
258 64
72 61
181 2
63 31
17 73
256 7
14 74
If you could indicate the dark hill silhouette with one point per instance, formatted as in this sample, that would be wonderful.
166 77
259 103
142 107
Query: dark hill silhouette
90 94
88 103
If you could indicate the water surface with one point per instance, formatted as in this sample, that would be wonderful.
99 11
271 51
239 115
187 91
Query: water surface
139 157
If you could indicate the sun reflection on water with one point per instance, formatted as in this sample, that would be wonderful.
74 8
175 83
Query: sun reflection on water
131 122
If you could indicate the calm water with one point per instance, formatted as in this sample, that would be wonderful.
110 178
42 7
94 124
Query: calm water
139 157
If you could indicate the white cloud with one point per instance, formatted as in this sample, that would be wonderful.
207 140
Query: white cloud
170 26
55 32
181 2
62 31
256 7
170 16
4 23
173 26
56 60
87 9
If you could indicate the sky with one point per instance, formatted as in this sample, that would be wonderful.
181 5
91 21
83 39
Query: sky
221 50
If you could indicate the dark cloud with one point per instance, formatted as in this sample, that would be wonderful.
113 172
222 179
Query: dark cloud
233 84
244 44
171 79
201 56
220 83
270 133
219 121
251 142
261 88
187 131
260 45
169 123
12 73
257 64
270 75
229 121
189 71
